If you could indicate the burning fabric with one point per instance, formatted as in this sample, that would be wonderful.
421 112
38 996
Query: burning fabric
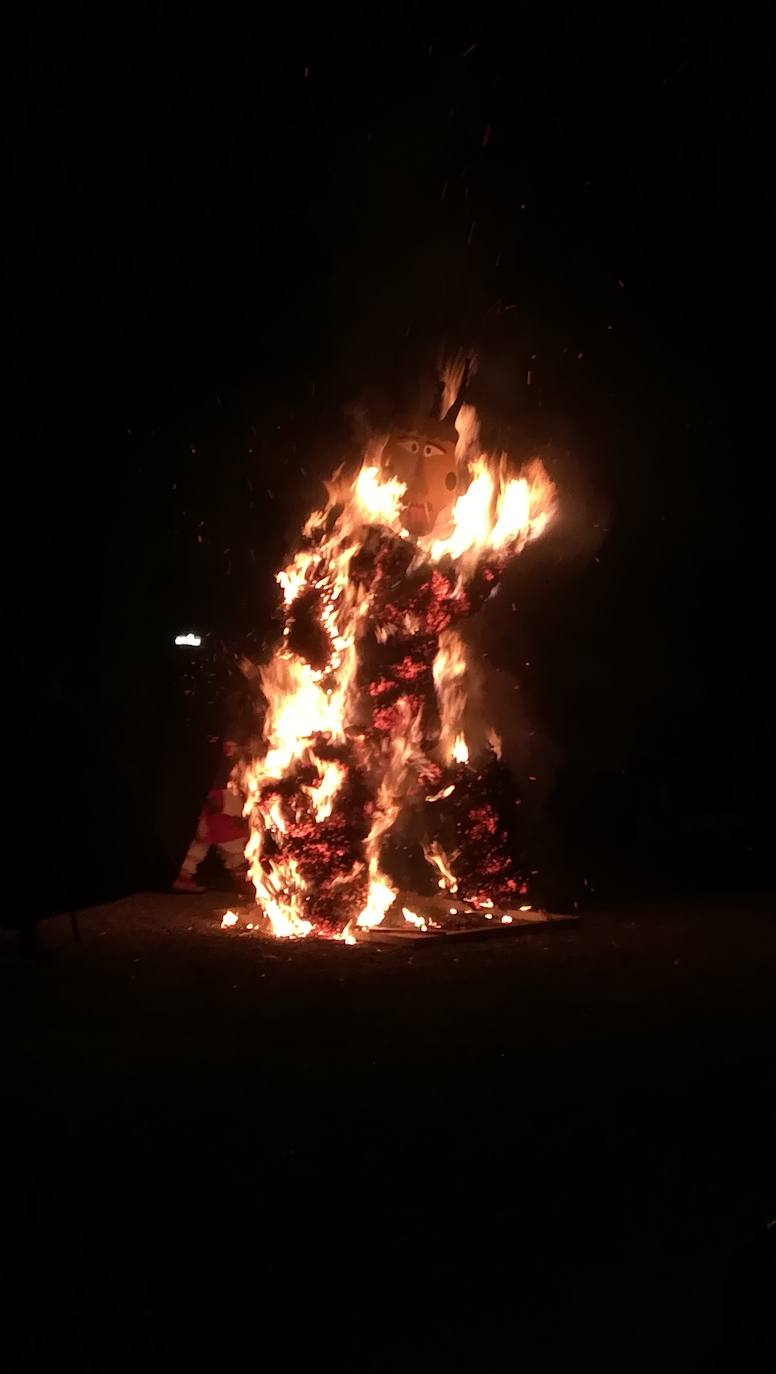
367 691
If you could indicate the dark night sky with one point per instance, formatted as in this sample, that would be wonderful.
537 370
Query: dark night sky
223 236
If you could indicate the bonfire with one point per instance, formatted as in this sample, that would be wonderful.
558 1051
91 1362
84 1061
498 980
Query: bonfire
364 751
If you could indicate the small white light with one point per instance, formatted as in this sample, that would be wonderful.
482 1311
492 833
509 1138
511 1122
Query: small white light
190 641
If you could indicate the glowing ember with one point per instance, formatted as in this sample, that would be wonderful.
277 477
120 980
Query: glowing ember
229 918
413 919
366 692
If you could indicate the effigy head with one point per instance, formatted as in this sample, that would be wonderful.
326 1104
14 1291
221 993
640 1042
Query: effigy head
423 458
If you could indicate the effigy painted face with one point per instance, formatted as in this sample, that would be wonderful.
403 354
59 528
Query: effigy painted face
427 466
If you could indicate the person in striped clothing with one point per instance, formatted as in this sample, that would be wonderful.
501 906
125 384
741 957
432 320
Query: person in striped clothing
220 823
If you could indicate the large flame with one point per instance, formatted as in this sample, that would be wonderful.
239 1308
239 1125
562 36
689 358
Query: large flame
497 512
328 784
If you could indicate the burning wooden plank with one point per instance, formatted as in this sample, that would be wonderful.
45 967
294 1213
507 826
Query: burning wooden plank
479 929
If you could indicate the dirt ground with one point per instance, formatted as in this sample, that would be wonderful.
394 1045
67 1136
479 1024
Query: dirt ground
552 1151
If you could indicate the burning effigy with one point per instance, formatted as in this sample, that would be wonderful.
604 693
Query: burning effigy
364 733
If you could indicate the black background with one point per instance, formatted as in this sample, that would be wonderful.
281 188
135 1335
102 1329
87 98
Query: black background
223 235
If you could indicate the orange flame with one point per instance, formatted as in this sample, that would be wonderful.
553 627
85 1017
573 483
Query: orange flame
449 680
436 856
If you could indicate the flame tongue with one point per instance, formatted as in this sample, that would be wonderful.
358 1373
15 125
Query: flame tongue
369 679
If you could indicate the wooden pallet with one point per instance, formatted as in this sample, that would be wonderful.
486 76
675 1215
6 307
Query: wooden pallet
479 927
